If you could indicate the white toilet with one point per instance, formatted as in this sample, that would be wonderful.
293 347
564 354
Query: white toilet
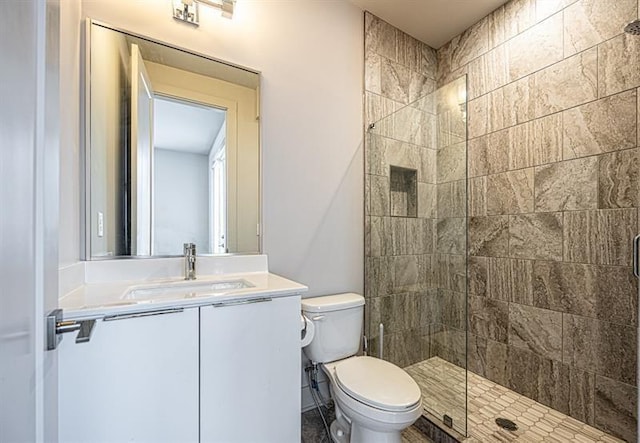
374 399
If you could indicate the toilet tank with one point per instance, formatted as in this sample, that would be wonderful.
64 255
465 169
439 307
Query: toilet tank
338 326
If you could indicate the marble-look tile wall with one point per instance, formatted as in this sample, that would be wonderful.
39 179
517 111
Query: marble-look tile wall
400 192
416 197
553 202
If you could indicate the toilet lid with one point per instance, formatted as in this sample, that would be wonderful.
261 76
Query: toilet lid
377 383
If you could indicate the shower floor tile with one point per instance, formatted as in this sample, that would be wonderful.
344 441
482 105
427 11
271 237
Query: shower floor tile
442 385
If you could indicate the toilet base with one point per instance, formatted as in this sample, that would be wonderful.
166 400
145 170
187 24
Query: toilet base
345 430
364 435
361 435
338 433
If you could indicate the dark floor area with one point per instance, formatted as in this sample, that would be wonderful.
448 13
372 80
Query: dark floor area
313 428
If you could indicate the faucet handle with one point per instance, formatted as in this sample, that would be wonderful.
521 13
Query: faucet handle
189 248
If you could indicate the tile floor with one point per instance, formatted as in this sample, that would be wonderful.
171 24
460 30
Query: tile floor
442 385
312 427
443 391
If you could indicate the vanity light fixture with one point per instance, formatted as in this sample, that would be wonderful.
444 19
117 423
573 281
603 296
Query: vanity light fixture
187 10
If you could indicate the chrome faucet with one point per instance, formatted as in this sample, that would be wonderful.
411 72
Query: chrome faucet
189 261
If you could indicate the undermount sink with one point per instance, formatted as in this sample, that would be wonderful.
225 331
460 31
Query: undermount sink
186 289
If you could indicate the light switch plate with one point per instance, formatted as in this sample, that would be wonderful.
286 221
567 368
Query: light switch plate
100 224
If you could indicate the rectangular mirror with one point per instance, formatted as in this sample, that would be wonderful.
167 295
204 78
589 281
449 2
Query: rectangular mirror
172 150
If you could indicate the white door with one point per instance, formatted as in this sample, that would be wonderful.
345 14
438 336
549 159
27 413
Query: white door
135 380
141 155
250 372
29 147
219 203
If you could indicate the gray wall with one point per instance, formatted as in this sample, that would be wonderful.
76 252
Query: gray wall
180 201
110 134
70 195
553 162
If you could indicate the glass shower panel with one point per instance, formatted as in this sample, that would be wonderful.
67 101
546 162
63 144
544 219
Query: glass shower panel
416 256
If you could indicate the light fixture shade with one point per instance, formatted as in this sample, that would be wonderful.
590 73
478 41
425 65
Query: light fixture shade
225 6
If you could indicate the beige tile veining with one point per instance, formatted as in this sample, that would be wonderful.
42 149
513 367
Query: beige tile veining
510 280
510 192
477 194
496 27
518 101
567 186
607 348
470 44
487 72
617 64
535 48
599 236
622 419
546 8
619 179
536 236
589 22
608 124
566 84
489 236
535 329
519 15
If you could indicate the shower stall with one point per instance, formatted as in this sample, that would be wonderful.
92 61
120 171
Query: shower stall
501 205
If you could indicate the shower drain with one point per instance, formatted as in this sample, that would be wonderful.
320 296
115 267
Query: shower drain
507 424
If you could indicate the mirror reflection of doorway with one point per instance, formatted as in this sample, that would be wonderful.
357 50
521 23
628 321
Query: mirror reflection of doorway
141 156
218 205
189 176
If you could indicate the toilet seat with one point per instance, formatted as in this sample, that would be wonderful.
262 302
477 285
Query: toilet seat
377 383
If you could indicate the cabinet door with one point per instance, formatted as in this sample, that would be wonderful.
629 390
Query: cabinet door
135 380
250 372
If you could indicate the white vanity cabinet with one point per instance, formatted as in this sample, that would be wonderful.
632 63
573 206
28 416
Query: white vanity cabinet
135 380
225 371
250 371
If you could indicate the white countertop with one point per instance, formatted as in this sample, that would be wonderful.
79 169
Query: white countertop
95 300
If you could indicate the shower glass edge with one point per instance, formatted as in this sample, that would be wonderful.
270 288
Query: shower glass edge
416 246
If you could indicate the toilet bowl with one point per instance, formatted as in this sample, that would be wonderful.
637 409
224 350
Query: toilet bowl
379 399
375 400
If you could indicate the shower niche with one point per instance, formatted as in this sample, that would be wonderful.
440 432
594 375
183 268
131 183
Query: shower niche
404 191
